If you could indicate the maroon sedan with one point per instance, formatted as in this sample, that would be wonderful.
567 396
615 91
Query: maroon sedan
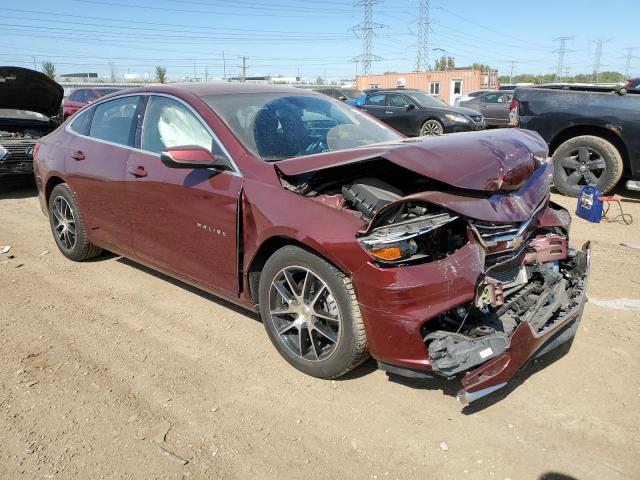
80 97
439 256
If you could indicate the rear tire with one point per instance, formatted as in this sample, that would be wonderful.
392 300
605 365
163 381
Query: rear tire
67 225
586 159
295 287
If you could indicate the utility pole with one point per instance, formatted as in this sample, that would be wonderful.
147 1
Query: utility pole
561 53
244 68
224 66
513 62
34 62
366 30
596 60
627 65
422 53
195 76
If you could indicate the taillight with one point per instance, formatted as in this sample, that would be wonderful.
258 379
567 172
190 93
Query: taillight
35 150
514 114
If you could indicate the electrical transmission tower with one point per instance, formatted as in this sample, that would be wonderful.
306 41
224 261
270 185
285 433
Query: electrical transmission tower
596 60
627 65
561 53
422 54
365 30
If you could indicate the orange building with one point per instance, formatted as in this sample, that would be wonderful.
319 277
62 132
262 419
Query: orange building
446 85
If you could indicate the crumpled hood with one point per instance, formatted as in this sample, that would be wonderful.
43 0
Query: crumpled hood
24 89
483 161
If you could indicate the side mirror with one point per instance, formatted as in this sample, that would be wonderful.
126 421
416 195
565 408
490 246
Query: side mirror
188 156
410 107
342 98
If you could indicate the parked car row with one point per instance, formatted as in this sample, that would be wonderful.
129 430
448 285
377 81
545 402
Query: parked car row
413 112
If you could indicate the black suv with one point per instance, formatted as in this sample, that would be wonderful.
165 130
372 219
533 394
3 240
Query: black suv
416 113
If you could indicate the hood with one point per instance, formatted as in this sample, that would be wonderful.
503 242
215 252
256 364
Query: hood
464 111
483 161
24 89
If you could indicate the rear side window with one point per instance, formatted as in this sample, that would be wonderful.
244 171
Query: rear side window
375 100
77 96
112 120
81 123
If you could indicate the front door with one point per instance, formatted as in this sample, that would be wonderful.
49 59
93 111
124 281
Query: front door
400 115
184 220
495 107
455 91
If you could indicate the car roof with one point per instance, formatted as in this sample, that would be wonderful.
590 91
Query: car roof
390 90
221 88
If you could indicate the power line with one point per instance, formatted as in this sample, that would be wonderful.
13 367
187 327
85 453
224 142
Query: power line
422 53
366 30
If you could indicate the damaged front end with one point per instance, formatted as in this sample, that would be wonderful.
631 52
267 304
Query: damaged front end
468 279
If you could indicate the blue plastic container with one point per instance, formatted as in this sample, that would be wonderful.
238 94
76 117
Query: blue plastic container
589 204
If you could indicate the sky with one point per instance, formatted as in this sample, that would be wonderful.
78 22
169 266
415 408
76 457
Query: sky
310 37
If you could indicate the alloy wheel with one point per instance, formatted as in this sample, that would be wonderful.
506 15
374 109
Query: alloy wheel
583 165
64 223
304 313
431 128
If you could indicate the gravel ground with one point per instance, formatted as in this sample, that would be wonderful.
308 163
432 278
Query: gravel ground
110 370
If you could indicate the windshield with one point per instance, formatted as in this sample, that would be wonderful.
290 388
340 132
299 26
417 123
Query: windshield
426 100
10 113
277 126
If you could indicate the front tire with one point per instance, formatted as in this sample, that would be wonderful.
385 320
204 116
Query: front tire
311 315
586 159
67 225
431 128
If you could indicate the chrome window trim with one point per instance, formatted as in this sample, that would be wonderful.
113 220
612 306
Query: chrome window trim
234 166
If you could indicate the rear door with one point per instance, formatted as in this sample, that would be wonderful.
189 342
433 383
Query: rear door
96 155
375 105
184 220
495 107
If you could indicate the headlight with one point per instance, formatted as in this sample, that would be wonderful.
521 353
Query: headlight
412 239
3 152
457 118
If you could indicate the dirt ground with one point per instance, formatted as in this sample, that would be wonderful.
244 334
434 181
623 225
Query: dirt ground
109 370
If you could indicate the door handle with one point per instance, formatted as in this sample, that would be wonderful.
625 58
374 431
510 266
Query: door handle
77 155
388 112
138 171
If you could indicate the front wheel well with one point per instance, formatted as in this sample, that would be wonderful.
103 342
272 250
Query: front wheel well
268 248
596 131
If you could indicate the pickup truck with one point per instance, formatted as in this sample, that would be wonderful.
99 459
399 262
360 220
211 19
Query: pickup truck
593 132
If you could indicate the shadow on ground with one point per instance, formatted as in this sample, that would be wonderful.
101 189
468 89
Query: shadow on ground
23 186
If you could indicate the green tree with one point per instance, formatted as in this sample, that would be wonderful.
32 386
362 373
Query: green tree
49 69
444 62
480 66
161 73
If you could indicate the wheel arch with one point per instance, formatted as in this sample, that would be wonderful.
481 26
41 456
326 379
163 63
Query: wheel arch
268 248
609 134
52 182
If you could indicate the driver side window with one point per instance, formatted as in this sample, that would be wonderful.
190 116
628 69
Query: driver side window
398 101
168 123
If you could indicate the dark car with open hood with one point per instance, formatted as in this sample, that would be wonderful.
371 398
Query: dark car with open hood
441 256
29 103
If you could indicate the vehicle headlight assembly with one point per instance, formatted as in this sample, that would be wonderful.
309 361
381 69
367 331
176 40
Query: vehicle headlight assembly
408 240
457 118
